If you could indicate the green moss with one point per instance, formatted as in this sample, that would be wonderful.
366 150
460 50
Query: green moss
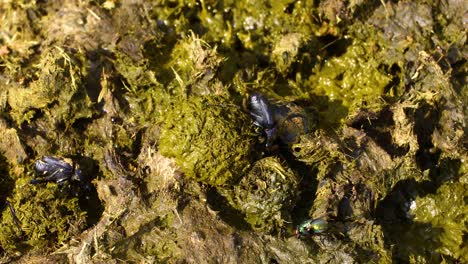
265 195
139 57
6 182
194 65
136 74
210 140
46 218
257 24
57 91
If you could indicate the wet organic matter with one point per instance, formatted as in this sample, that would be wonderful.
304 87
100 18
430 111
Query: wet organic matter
368 103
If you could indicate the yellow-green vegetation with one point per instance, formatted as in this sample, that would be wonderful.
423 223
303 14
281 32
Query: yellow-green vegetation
194 65
211 140
55 89
354 79
47 218
147 97
447 211
265 195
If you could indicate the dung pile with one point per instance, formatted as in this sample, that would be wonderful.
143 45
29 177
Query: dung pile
370 111
210 141
265 195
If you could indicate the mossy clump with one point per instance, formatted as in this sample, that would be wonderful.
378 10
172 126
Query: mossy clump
447 212
210 140
195 66
355 79
54 91
45 218
266 194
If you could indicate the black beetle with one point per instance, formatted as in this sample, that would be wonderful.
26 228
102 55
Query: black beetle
262 113
280 121
58 170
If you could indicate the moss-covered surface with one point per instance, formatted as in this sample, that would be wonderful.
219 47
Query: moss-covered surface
148 98
211 142
266 195
47 218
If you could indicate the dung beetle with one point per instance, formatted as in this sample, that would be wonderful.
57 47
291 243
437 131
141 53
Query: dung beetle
310 227
263 116
279 121
58 170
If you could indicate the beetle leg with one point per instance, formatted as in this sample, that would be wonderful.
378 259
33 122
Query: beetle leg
54 176
13 215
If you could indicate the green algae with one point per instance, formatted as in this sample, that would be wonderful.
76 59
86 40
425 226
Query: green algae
211 142
446 210
354 79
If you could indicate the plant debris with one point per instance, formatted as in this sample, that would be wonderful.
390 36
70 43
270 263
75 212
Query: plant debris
149 99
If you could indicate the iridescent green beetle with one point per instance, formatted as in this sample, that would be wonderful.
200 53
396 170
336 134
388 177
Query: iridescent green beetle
310 227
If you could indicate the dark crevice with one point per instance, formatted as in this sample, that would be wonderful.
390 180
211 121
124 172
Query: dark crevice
226 212
307 188
81 124
395 206
426 118
378 126
334 46
6 183
88 198
391 87
364 11
273 261
392 213
289 8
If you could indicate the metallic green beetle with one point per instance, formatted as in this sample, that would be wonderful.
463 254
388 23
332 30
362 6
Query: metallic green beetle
310 227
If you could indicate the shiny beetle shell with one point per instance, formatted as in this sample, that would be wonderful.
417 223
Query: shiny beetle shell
263 116
284 121
311 226
261 111
56 169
